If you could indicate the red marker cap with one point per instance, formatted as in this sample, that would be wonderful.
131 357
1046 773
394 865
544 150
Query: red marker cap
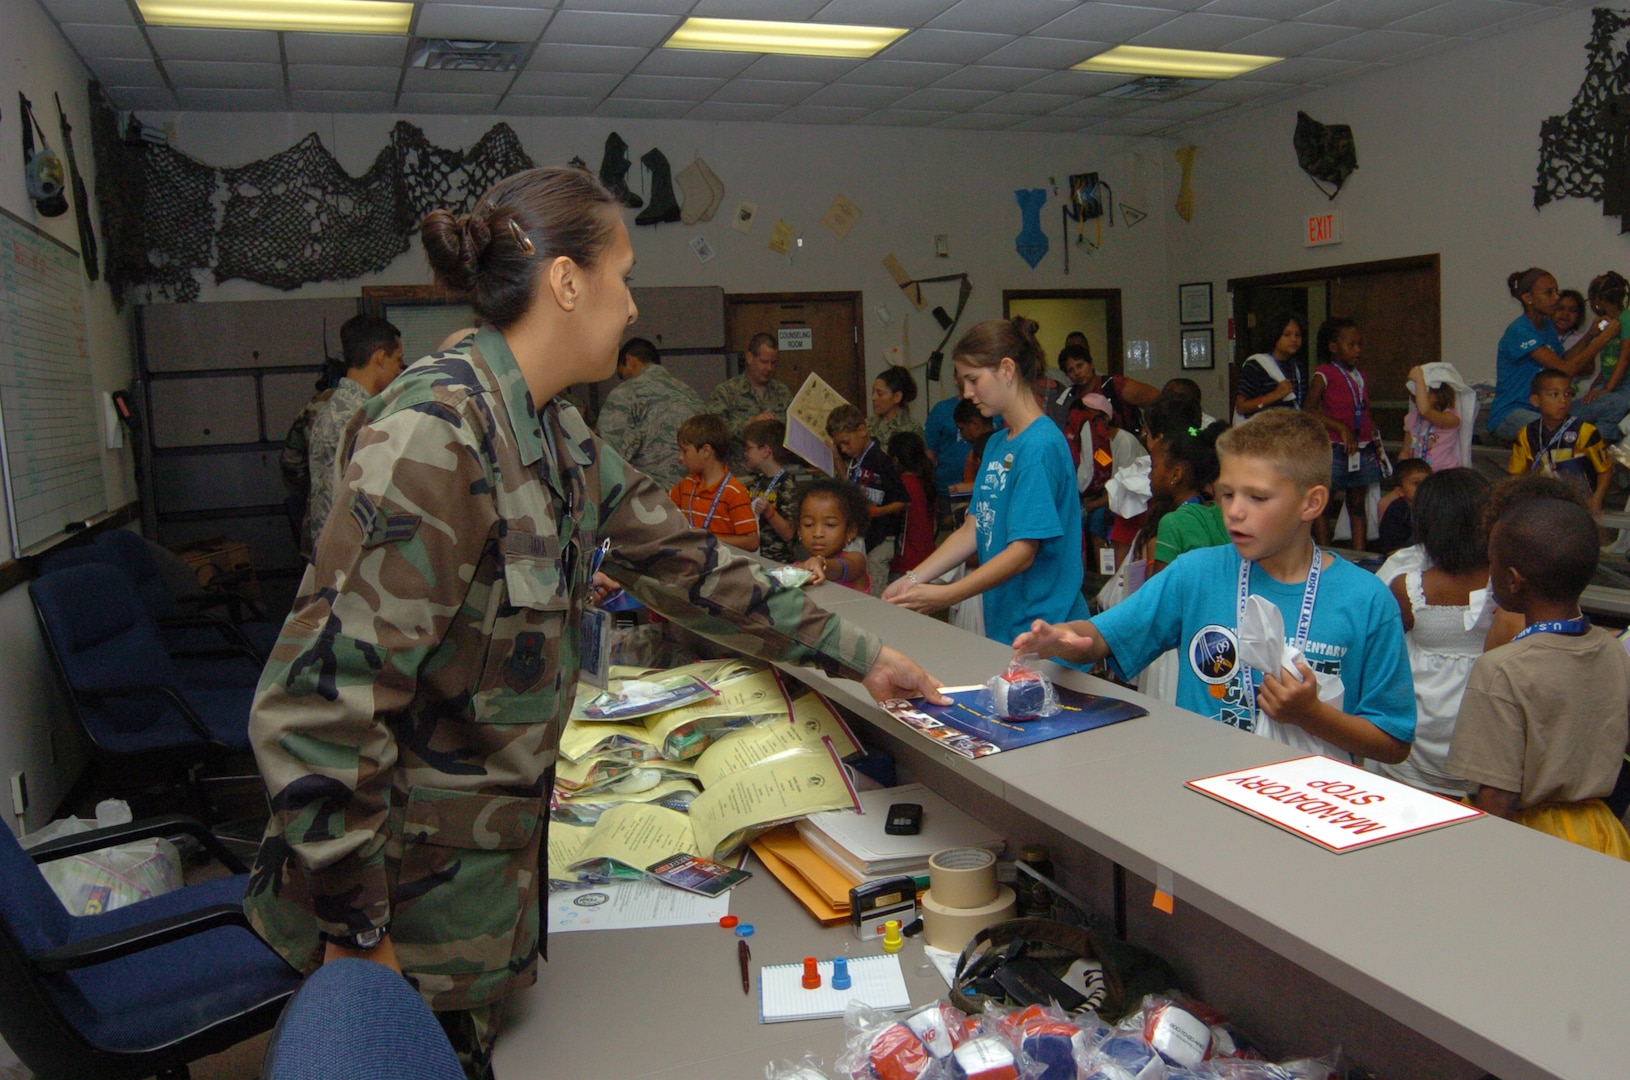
728 921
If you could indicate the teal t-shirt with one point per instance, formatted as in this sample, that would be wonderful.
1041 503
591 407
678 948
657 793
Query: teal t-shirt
1025 490
1190 526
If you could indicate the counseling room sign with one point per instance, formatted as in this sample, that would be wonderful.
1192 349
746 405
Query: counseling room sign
1336 806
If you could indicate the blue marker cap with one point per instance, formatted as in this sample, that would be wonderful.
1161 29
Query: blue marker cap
840 974
744 930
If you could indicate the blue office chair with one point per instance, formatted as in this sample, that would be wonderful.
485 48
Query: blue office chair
139 991
358 1020
169 607
142 722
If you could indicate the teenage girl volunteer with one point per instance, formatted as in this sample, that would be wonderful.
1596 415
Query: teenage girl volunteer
1024 517
1530 344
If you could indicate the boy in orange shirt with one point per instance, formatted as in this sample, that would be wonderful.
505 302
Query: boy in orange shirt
709 496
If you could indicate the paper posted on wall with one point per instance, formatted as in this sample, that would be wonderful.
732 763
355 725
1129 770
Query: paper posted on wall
806 422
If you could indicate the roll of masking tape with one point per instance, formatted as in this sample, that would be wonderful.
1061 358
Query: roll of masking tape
963 877
951 928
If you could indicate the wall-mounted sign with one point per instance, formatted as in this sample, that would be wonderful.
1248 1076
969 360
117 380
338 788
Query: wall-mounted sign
795 338
1323 229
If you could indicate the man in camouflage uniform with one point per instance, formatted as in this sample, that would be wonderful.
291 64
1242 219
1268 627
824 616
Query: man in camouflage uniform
373 357
295 463
641 417
754 394
407 722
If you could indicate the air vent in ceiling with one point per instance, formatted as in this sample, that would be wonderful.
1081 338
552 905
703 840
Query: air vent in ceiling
1157 88
441 54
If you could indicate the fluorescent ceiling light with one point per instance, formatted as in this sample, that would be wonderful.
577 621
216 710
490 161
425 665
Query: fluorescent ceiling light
784 38
322 16
1177 63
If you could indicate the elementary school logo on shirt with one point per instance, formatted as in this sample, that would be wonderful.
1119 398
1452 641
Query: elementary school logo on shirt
991 482
1214 657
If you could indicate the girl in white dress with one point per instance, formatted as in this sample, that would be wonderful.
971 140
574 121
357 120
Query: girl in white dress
1446 613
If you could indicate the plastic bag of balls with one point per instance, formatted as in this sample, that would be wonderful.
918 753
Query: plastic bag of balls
806 1068
1021 691
918 1046
1181 1039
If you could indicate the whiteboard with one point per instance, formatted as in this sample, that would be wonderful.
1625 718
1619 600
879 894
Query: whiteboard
50 439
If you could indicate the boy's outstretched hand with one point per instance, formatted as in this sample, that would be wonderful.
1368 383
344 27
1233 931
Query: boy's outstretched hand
1076 642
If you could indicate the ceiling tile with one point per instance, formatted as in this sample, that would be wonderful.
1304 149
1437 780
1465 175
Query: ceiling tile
776 10
766 92
140 97
222 100
1007 17
904 117
849 95
607 28
1197 30
1534 15
898 73
565 84
1054 54
947 100
1182 109
801 68
420 80
637 7
469 22
1100 107
707 65
637 109
342 101
1054 123
446 103
99 12
1265 9
1375 46
530 4
189 43
1438 45
372 49
1288 39
1027 104
128 73
1078 82
667 88
611 60
990 77
529 105
1298 69
1237 90
734 110
208 75
945 46
907 13
1461 17
980 122
1106 22
821 114
1128 126
343 77
1369 14
113 42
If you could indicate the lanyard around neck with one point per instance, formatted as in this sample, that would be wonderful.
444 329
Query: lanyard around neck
1571 627
854 470
1304 619
690 508
1551 443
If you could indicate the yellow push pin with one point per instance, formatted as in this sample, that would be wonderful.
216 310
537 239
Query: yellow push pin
892 941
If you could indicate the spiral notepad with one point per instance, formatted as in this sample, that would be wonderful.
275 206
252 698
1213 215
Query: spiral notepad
875 980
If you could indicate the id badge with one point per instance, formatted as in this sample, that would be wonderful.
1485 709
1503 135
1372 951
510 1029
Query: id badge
595 646
1355 461
1106 561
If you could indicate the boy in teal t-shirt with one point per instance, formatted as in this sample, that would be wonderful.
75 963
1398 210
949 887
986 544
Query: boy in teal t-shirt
1272 487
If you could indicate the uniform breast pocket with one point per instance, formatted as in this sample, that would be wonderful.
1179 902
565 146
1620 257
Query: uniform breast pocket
529 643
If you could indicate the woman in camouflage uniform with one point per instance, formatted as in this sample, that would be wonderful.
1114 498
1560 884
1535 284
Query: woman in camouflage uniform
407 722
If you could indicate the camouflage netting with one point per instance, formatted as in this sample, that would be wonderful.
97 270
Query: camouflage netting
292 218
1584 153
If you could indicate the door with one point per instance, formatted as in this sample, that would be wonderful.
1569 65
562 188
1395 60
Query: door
832 348
1060 312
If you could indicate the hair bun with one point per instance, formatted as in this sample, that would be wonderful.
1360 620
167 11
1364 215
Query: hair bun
454 247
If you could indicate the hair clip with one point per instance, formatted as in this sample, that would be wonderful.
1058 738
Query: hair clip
522 241
1194 433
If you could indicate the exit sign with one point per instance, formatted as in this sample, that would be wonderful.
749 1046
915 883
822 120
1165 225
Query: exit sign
1323 229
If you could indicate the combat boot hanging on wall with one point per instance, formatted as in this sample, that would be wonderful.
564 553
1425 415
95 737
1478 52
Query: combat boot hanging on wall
664 207
614 171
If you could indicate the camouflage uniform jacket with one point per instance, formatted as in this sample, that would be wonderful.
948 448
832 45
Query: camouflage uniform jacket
406 724
641 418
323 444
295 462
883 430
738 401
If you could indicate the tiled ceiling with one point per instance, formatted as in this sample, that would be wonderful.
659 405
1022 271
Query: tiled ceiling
968 64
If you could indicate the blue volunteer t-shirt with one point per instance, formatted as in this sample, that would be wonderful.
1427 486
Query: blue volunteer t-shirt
950 449
1514 369
1025 490
1192 606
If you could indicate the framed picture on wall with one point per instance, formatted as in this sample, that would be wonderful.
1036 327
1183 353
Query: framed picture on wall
1194 303
1197 350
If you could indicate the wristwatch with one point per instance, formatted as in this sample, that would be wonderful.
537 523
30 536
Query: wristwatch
362 940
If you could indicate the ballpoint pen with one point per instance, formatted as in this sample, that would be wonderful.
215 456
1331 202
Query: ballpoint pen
743 955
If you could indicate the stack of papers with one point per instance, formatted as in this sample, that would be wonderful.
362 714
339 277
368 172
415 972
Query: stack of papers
855 843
